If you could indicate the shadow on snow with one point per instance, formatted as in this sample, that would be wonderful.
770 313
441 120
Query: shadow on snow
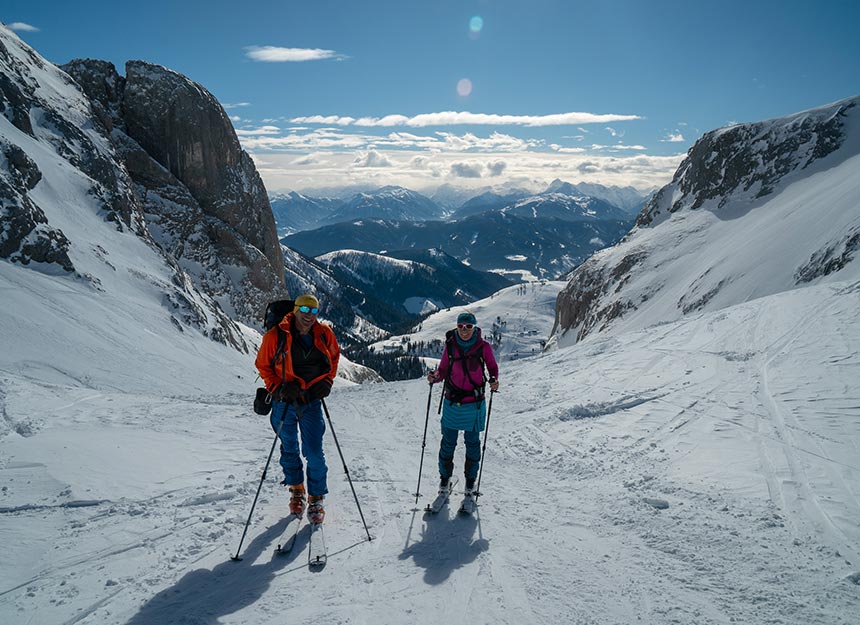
202 596
446 545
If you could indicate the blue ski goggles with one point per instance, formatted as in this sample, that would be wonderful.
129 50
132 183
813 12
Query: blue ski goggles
308 309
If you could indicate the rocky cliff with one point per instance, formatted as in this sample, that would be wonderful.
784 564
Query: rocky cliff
154 156
193 179
753 210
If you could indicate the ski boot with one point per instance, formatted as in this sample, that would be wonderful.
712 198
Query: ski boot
297 499
316 512
443 485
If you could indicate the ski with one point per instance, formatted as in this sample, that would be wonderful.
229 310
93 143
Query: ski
467 506
441 499
289 536
316 551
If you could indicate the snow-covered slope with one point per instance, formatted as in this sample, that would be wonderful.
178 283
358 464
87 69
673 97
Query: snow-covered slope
754 210
705 473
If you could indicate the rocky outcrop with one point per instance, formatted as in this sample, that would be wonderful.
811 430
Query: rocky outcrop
749 160
727 228
193 178
87 146
29 237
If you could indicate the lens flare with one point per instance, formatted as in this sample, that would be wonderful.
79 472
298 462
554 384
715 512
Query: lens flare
464 87
476 24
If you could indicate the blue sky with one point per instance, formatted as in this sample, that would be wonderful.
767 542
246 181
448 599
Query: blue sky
604 91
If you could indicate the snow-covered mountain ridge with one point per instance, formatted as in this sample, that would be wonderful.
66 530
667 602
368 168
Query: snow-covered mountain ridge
418 281
754 209
106 179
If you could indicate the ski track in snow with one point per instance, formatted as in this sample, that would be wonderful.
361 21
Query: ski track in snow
716 416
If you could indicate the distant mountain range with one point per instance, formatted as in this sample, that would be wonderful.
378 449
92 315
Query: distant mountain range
295 212
521 247
522 235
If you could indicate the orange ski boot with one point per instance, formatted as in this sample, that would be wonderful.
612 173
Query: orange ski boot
297 499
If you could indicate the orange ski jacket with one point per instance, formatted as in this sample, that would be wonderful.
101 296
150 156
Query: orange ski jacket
275 371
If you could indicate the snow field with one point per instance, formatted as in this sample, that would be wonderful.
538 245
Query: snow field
698 472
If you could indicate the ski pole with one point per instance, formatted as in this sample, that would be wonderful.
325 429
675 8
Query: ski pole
442 396
236 558
345 470
484 450
423 444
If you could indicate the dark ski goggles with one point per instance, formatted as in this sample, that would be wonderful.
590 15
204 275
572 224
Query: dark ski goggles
308 309
465 326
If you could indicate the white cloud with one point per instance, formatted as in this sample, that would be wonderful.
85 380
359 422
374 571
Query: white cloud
563 150
235 105
424 171
497 168
23 27
495 142
308 159
471 169
673 138
275 54
615 133
452 118
264 130
235 118
617 146
336 120
372 158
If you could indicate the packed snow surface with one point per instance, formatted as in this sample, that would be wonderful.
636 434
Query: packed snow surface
701 471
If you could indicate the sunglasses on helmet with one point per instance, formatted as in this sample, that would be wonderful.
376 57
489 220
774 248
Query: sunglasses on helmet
465 326
308 309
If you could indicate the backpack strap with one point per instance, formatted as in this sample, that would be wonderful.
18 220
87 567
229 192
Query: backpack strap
280 353
454 393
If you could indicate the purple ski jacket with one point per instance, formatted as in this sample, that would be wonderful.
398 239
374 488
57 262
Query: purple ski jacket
467 374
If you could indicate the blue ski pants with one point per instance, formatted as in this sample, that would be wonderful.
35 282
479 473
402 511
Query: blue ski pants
472 439
311 427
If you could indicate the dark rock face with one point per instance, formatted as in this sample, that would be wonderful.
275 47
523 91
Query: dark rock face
183 127
192 176
27 237
203 208
579 304
750 158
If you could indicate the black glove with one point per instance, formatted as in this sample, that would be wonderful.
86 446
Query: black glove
287 392
320 389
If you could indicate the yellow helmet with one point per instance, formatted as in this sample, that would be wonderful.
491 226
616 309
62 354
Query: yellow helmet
306 300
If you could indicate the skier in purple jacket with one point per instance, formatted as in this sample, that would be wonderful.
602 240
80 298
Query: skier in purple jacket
462 368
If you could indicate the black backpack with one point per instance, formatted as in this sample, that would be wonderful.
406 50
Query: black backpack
275 313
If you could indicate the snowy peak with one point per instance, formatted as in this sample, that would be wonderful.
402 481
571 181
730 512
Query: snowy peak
754 210
750 161
392 203
564 205
627 198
